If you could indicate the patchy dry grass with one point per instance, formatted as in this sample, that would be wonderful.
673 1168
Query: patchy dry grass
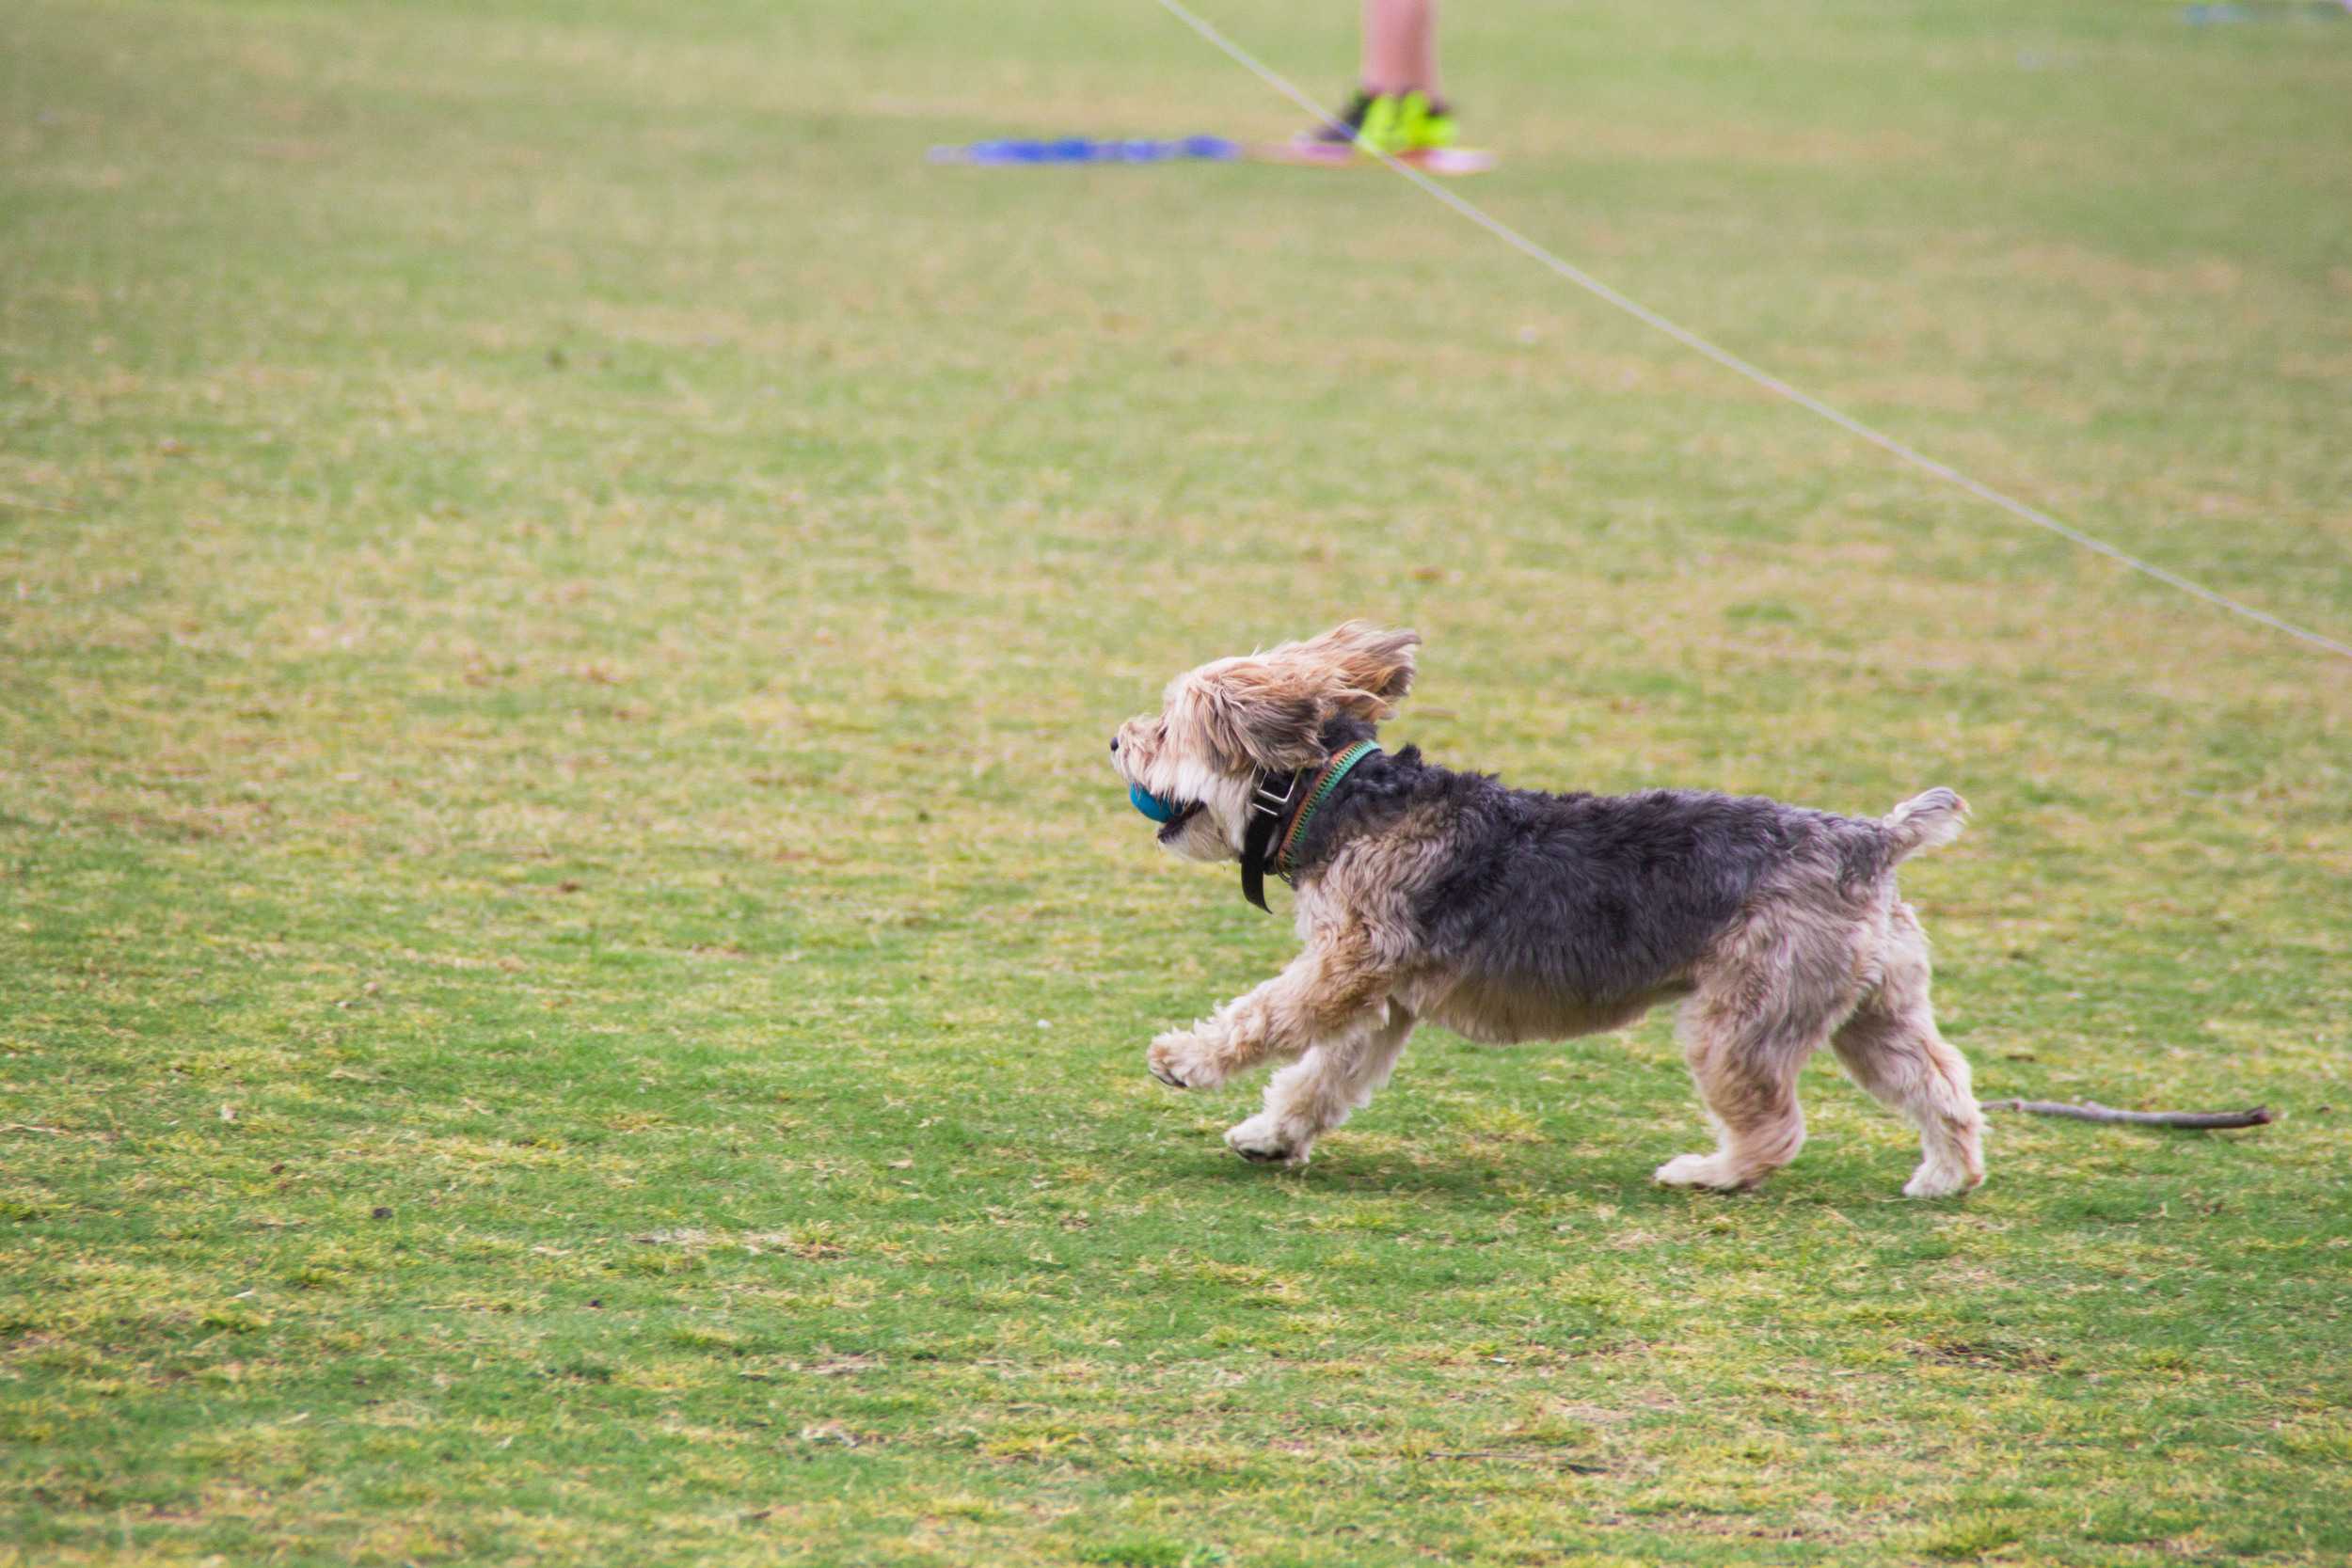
572 985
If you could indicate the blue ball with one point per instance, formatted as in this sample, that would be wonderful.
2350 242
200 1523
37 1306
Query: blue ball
1151 804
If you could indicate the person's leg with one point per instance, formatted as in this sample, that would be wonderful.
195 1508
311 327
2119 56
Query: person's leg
1400 49
1398 108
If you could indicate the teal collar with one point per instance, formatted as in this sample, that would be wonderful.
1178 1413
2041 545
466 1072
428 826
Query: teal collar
1337 770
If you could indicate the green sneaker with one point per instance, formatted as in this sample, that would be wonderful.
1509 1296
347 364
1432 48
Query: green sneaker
1390 123
1428 123
1396 124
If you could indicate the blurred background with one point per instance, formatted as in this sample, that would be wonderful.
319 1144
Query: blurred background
560 588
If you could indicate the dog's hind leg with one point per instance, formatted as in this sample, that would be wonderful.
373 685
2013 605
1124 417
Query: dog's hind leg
1746 1072
1768 996
1335 1079
1893 1049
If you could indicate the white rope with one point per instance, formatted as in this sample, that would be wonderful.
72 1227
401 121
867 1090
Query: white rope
1756 373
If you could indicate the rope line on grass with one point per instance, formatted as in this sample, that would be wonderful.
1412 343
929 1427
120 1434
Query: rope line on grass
1730 361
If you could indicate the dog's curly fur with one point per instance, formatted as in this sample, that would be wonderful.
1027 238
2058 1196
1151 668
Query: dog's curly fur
1511 914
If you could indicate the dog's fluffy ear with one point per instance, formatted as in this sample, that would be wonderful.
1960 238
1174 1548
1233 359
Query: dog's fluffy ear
1356 666
1255 714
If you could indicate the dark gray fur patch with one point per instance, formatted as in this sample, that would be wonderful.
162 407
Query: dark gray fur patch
1597 897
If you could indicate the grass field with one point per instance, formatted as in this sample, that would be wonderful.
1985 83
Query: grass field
573 982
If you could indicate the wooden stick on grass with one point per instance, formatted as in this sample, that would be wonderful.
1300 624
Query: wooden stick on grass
1556 1464
2091 1110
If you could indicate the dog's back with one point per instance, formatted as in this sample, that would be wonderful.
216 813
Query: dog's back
1599 899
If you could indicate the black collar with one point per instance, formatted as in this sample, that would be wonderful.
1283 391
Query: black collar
1279 805
1275 802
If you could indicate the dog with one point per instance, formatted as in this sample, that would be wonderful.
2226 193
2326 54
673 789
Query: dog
1511 914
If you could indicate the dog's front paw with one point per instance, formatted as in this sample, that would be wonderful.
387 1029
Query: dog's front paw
1182 1060
1262 1141
1698 1170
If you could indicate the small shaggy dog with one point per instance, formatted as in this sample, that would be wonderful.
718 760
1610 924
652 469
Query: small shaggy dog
1510 914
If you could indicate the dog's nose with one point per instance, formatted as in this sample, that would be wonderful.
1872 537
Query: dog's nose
1114 743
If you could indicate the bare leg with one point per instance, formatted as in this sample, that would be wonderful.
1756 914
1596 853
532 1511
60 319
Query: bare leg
1893 1049
1333 1081
1400 49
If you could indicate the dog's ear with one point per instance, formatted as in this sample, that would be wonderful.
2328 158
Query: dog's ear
1356 666
1254 714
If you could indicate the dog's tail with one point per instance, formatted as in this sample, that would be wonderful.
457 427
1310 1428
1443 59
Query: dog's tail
1926 821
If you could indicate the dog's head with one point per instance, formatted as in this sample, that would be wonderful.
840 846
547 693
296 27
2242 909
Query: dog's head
1223 724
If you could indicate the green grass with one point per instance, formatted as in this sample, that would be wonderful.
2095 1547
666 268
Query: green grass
572 979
